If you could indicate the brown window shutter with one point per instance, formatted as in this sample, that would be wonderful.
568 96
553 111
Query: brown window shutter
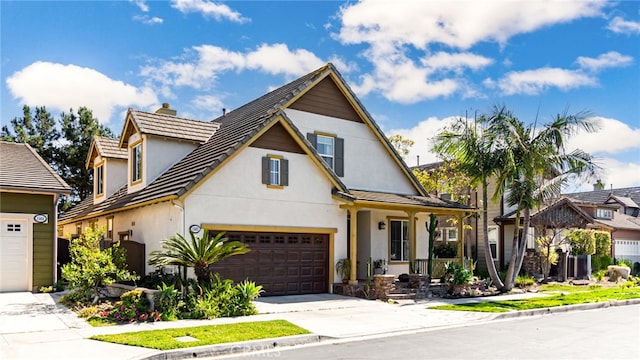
265 170
339 156
284 172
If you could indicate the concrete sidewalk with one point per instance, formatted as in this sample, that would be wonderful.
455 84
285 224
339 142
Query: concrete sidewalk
33 326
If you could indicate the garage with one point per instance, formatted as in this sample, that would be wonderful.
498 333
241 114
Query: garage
283 263
15 262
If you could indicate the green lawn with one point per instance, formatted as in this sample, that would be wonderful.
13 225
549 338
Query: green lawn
205 335
558 295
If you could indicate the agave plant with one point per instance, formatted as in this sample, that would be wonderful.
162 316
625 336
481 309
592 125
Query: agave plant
199 253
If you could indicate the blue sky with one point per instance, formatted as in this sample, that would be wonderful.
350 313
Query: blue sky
413 64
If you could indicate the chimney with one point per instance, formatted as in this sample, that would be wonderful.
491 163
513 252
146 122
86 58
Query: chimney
598 185
224 112
166 110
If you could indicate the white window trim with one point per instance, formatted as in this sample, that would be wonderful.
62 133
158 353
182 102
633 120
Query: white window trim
332 156
98 178
274 173
496 254
446 234
136 163
402 241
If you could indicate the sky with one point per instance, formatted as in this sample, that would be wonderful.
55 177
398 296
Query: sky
414 65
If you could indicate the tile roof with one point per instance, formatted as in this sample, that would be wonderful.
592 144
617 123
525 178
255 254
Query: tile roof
109 147
173 126
24 170
621 221
600 196
626 201
232 130
400 199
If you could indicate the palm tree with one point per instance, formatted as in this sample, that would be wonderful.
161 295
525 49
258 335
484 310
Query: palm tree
474 154
534 167
199 253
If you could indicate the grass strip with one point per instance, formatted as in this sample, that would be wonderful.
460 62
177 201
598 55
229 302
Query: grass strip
580 296
206 335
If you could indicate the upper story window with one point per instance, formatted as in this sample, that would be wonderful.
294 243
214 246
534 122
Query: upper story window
399 240
604 213
326 149
331 150
136 162
451 234
99 179
275 171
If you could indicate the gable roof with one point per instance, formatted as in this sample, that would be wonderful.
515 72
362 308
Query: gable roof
106 148
167 126
626 201
601 196
24 170
234 130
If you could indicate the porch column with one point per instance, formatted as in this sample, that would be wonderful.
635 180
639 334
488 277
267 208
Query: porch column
412 238
353 245
461 237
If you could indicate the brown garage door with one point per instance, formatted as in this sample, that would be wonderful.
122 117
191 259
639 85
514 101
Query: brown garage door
283 263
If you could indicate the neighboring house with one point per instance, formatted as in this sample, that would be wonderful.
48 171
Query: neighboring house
617 211
29 192
302 175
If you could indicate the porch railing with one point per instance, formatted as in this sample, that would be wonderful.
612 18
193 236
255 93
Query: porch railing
421 266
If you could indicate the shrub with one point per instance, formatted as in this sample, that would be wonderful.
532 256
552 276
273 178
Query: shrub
167 302
455 275
603 242
522 281
445 250
133 306
91 268
583 242
220 298
600 262
600 274
624 262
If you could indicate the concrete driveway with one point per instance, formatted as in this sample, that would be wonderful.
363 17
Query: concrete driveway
26 312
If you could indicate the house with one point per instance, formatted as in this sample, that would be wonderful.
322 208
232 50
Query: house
29 193
302 175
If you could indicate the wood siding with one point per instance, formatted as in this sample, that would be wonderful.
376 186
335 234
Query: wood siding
277 138
494 210
42 233
327 99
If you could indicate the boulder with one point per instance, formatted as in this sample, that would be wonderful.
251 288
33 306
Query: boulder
616 272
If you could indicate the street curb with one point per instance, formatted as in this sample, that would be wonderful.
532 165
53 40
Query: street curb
233 348
566 308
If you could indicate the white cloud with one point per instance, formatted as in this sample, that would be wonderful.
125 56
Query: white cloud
60 87
141 4
208 102
607 60
200 66
277 59
532 82
626 138
393 32
147 20
422 135
622 26
615 174
209 9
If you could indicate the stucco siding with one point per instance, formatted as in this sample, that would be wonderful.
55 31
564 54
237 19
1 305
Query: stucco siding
367 164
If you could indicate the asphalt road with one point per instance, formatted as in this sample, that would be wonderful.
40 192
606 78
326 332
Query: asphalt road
610 333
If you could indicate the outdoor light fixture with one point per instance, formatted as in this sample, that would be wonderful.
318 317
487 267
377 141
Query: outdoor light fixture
382 225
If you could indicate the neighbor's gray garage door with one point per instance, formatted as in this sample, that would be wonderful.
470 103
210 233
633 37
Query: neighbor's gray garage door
283 263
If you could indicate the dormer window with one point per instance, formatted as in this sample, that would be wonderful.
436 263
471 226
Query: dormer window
331 150
136 163
604 213
99 179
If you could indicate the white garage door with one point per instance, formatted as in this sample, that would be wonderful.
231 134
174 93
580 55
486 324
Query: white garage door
627 249
15 264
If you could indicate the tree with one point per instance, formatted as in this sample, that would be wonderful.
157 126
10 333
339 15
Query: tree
401 144
64 145
534 167
466 143
199 253
78 129
38 130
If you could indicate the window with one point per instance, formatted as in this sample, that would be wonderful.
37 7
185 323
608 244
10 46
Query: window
399 239
493 241
325 149
331 150
109 233
604 213
136 163
99 179
452 234
275 171
78 229
14 227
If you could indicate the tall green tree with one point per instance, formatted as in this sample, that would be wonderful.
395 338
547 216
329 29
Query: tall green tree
465 142
535 165
78 130
63 144
38 129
